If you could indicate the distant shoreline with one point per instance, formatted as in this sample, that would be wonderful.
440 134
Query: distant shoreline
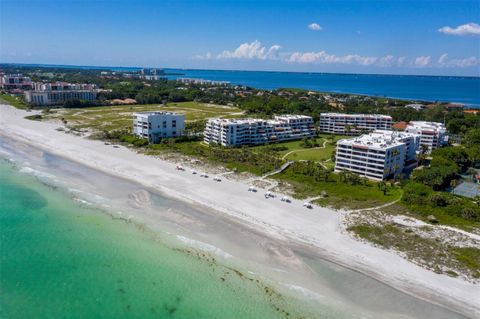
103 67
420 88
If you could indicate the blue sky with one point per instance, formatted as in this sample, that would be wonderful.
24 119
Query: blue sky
396 37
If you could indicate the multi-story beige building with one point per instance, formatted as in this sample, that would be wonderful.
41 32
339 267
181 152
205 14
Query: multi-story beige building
155 126
353 124
235 132
60 92
433 134
378 155
11 82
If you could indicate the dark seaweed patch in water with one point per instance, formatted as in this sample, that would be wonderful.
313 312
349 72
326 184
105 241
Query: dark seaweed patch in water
22 198
171 309
275 299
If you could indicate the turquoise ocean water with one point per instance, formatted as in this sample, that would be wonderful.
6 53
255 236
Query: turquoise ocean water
61 260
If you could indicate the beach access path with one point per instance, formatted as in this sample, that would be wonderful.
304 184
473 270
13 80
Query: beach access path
320 228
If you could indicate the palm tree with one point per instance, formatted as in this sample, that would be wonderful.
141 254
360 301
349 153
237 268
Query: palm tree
473 172
383 187
454 183
342 176
422 155
476 199
348 129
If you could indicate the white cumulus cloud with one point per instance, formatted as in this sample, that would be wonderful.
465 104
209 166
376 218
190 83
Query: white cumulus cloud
462 30
443 61
422 61
256 51
315 26
323 57
253 50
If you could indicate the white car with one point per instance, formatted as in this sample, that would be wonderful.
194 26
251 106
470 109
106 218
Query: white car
217 179
179 168
307 205
194 172
269 194
286 199
252 189
204 175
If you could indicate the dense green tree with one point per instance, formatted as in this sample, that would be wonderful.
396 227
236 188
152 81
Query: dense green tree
472 137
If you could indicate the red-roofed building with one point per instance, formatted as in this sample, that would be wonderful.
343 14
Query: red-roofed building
400 126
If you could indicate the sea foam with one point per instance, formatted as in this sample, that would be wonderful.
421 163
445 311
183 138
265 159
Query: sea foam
204 246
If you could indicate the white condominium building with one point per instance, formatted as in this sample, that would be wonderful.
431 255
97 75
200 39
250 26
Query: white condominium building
235 132
378 155
157 125
202 81
15 81
63 86
433 134
353 124
60 92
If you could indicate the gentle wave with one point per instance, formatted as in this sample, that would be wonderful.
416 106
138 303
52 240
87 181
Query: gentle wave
204 246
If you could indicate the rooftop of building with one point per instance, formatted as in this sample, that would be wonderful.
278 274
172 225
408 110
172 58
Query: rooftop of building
292 116
425 125
15 75
238 121
400 126
470 111
62 91
156 113
277 119
378 139
415 105
356 115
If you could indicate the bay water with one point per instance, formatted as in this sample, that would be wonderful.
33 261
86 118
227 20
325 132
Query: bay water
465 90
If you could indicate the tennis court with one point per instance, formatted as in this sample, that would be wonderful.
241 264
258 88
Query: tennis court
467 189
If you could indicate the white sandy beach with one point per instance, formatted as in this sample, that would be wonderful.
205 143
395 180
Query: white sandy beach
320 228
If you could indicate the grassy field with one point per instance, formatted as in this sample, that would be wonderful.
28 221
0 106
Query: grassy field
340 194
437 255
12 100
295 151
120 116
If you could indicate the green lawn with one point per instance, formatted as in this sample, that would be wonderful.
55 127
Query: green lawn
296 152
13 100
340 194
120 116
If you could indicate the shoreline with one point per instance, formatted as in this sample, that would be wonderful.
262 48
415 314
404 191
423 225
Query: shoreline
172 73
320 228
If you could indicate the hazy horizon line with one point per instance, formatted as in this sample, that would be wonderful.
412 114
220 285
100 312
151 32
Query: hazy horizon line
233 70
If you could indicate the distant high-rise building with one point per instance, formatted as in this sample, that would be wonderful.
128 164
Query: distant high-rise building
15 81
59 92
